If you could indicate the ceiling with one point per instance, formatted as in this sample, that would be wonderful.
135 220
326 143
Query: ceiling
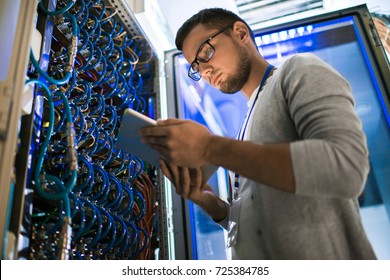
162 18
257 11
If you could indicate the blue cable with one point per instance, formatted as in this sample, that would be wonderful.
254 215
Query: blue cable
117 58
57 12
137 166
115 196
101 71
95 32
93 217
87 136
125 208
79 209
127 68
63 192
95 133
146 236
80 11
121 88
100 183
86 185
84 20
110 151
102 141
109 75
78 117
62 81
81 100
111 238
106 47
119 30
111 29
110 114
72 50
91 50
133 239
93 62
140 200
125 97
60 123
107 223
136 247
98 227
121 154
103 5
120 230
97 107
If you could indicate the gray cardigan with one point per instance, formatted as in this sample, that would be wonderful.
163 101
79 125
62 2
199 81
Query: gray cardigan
307 103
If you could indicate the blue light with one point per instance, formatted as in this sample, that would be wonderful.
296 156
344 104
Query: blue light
292 33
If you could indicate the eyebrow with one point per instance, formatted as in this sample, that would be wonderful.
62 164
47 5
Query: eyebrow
209 38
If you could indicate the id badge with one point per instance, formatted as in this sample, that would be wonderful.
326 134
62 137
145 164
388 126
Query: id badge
233 221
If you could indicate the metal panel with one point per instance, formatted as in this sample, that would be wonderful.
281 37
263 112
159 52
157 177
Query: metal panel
13 89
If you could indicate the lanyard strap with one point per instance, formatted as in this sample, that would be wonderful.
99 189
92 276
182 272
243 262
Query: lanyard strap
265 77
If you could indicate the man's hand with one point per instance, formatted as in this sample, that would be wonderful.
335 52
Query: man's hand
190 184
181 142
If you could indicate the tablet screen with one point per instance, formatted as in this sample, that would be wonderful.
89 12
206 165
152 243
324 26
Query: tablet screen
129 139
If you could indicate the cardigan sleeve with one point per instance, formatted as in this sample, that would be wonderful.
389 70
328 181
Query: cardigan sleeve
331 157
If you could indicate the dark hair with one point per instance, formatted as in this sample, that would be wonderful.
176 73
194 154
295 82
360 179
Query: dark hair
211 18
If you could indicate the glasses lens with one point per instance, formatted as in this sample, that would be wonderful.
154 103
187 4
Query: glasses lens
193 71
205 52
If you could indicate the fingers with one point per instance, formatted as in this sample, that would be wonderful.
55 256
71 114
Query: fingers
154 131
172 172
196 176
186 181
166 170
161 129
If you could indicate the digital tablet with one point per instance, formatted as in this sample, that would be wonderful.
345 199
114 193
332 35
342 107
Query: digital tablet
129 138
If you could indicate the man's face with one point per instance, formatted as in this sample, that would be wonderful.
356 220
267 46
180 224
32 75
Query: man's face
229 67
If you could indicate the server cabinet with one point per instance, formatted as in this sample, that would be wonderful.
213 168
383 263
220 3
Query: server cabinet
67 192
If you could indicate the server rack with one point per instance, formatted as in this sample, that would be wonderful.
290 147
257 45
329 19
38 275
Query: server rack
67 192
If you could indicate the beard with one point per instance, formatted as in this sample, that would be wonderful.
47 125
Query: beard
236 82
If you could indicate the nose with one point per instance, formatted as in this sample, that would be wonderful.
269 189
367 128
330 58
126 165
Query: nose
205 70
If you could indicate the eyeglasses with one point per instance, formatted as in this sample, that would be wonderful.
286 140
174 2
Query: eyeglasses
204 54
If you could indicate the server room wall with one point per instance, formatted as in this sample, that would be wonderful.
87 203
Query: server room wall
85 199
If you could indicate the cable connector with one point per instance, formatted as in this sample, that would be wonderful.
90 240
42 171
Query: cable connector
65 239
57 20
72 157
43 181
72 54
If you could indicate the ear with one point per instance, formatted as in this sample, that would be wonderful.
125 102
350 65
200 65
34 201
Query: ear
241 31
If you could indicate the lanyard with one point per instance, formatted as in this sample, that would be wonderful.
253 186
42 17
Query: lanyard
265 77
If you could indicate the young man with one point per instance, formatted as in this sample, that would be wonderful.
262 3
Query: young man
299 162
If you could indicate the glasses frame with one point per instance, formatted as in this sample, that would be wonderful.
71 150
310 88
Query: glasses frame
195 75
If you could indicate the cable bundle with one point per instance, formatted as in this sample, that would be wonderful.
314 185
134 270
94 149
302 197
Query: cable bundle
94 201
